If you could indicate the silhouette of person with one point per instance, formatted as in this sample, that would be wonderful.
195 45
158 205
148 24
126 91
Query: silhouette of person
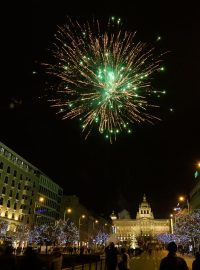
196 262
7 259
171 261
124 263
30 260
111 256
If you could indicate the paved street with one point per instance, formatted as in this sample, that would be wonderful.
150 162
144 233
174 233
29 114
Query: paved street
152 262
142 262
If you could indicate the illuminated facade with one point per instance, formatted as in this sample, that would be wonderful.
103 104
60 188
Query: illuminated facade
195 194
145 225
27 196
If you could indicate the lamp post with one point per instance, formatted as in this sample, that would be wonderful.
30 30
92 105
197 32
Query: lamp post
79 227
95 222
69 211
40 201
171 223
182 199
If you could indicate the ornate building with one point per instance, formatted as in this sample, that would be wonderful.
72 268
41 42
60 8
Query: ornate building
145 225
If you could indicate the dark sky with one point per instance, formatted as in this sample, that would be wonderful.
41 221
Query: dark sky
157 160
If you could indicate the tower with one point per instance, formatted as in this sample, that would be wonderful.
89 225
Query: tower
144 210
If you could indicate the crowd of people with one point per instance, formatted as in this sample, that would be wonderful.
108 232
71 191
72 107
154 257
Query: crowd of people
115 259
170 262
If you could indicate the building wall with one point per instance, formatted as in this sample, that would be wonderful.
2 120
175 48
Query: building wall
195 196
18 187
21 187
143 225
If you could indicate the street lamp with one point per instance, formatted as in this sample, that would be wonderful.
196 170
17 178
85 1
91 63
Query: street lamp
79 226
95 222
182 199
68 210
40 200
171 223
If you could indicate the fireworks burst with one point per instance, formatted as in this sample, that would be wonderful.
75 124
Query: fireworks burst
104 77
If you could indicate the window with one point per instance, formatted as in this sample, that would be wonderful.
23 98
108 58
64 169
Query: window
8 203
13 215
4 190
13 183
6 214
17 196
15 173
8 169
21 177
6 180
19 186
15 206
10 194
1 201
1 165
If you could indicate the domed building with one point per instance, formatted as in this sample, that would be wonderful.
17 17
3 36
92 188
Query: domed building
145 225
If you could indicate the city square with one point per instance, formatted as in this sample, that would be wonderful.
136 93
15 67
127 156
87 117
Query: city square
99 146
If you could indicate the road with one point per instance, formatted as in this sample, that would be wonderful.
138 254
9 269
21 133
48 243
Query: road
152 262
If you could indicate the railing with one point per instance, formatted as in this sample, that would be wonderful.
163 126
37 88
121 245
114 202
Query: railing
98 265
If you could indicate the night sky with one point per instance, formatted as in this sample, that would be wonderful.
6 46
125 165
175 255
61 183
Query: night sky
156 160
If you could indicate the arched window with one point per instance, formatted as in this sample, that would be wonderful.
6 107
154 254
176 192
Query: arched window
11 193
13 215
13 183
8 169
6 214
1 165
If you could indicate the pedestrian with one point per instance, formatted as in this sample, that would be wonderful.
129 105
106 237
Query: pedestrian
124 263
111 256
57 258
196 262
172 261
30 260
7 259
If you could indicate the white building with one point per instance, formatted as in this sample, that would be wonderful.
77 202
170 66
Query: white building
144 225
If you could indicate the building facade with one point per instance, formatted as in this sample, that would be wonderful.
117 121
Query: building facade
27 196
145 225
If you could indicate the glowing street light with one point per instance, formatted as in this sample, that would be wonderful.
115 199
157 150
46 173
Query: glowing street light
171 223
182 199
79 226
68 210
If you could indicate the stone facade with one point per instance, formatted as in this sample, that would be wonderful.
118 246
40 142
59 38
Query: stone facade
27 195
144 225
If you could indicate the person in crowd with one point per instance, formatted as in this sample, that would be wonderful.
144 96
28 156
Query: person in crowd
124 263
196 262
30 260
172 261
57 258
7 259
111 253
